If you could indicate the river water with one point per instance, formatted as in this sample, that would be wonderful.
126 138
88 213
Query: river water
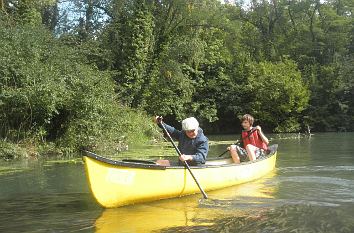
311 190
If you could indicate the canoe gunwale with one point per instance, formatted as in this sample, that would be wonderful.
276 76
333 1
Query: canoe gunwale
159 167
225 165
123 163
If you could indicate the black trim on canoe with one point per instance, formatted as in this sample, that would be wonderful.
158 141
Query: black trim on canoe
152 165
125 163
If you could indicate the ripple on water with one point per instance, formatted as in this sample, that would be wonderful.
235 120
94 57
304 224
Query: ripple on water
316 168
50 213
321 189
319 180
286 218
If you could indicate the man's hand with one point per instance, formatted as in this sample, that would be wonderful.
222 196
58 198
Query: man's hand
185 157
157 119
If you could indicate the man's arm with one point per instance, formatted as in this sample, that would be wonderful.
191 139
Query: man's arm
175 134
202 152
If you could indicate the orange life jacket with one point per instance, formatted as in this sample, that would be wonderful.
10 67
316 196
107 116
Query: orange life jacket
252 137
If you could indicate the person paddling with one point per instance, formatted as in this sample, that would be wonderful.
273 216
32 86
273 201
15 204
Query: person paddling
255 143
192 142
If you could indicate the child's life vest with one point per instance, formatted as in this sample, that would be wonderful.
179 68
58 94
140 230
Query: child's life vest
252 137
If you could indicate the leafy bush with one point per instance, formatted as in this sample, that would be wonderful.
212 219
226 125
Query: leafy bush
276 93
11 151
49 93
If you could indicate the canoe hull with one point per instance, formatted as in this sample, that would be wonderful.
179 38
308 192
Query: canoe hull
117 185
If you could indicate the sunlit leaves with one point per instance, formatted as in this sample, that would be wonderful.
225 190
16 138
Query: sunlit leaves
276 94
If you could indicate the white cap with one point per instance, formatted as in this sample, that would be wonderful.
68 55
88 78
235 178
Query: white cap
190 124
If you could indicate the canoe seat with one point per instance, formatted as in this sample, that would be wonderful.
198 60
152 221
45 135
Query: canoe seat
218 162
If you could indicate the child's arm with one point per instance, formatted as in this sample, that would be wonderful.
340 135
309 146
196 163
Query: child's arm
263 137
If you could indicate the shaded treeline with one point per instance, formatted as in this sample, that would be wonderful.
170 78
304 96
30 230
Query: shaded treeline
72 70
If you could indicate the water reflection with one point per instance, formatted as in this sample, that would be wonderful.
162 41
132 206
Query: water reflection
312 191
190 211
286 218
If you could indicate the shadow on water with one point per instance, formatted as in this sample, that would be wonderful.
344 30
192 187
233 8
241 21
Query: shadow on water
69 212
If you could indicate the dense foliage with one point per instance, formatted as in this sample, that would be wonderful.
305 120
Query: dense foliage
50 94
73 71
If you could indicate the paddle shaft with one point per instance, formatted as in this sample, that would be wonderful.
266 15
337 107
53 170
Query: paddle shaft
251 131
227 150
184 162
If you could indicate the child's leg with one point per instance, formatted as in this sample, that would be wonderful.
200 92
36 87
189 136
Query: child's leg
234 154
251 152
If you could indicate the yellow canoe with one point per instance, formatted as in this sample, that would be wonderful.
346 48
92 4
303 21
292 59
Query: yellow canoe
118 183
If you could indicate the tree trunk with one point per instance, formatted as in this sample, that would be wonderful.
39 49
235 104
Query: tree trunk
50 15
88 17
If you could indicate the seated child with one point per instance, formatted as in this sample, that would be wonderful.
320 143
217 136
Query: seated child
255 143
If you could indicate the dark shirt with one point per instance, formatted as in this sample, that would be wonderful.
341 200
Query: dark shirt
197 147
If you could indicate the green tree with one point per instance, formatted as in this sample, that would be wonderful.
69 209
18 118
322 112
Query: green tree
277 95
133 41
50 94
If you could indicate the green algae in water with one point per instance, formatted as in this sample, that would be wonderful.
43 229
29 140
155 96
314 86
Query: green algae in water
63 161
10 170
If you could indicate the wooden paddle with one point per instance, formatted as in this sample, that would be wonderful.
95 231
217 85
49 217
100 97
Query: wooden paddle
159 120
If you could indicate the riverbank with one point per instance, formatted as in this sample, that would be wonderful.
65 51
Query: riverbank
24 150
104 141
134 148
